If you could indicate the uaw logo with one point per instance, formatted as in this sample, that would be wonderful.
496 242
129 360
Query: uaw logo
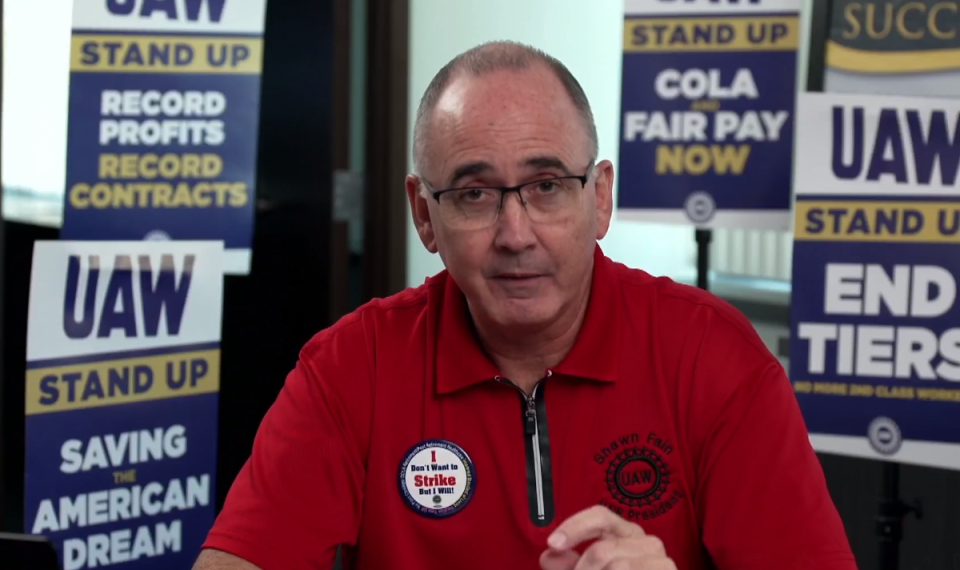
639 481
884 436
700 207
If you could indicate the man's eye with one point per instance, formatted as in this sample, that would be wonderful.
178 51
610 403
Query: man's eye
474 195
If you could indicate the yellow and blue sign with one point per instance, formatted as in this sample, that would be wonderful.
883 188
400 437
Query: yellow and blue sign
903 48
875 332
122 384
163 122
707 103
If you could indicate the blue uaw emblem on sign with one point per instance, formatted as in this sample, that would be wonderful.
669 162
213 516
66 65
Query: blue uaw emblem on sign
884 436
436 478
700 207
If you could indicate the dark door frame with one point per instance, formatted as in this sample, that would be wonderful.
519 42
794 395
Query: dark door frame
3 463
385 145
339 274
385 204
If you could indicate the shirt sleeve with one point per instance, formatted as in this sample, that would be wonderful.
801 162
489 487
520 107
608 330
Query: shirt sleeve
300 494
762 497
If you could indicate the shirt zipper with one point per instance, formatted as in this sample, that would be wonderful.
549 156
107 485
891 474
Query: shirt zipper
538 452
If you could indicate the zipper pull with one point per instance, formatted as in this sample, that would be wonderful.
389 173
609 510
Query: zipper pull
531 422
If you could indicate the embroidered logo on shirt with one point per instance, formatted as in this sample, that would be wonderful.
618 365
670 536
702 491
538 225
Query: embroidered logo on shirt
436 478
638 478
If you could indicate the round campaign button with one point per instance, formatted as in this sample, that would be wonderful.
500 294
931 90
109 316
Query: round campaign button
436 478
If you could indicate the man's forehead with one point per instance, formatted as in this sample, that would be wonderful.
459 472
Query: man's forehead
493 113
500 90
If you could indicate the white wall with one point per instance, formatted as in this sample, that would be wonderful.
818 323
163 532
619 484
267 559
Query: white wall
587 36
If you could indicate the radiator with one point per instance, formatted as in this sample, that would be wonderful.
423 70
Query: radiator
757 254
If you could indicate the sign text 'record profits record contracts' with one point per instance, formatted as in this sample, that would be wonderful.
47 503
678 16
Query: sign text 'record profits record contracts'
707 112
163 122
875 339
123 375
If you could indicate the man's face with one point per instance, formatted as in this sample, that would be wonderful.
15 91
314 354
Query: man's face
509 128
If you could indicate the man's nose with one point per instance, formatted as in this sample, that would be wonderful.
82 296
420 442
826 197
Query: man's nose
514 228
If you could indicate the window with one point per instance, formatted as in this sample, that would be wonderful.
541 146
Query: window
36 78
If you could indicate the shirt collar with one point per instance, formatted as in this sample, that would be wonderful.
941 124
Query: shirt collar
461 362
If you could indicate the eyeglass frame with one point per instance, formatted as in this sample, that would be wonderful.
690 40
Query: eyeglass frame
504 190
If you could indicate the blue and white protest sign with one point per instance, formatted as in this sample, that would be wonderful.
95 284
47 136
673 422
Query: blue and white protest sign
123 375
163 122
875 332
707 108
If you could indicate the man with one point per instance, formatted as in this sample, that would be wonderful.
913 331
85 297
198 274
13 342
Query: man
535 404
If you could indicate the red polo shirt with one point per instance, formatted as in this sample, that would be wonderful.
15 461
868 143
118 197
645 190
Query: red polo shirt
396 437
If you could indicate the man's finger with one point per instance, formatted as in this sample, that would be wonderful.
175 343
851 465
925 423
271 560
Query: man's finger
595 522
559 559
603 553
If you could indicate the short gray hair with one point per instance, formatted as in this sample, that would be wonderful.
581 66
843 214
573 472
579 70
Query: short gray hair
487 58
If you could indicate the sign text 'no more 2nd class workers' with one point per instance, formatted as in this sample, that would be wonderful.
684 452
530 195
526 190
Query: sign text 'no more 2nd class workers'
708 95
122 380
163 122
875 317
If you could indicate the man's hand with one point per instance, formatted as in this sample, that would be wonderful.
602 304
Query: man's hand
620 545
216 560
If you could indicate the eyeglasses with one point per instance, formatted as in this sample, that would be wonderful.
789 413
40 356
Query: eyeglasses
546 201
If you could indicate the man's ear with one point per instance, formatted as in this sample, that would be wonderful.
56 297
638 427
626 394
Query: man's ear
604 195
421 213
